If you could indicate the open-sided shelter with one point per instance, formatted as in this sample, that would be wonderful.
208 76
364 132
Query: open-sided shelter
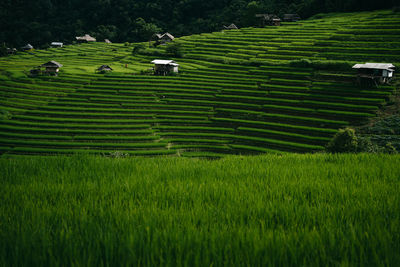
56 44
381 72
165 67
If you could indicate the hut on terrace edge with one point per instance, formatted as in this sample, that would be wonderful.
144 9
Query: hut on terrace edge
56 44
165 67
291 17
51 68
230 27
161 38
85 39
104 69
27 47
378 72
269 20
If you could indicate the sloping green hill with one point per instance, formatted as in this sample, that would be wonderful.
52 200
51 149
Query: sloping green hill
247 91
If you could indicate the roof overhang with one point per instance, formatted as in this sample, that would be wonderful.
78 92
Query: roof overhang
377 66
164 62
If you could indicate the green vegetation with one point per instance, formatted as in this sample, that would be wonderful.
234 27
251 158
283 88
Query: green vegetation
271 210
272 89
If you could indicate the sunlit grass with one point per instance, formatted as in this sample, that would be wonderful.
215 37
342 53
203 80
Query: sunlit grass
291 210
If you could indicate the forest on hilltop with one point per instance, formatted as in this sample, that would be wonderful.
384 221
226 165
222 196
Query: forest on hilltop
44 21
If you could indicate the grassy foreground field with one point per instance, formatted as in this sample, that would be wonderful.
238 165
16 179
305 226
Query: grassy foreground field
290 210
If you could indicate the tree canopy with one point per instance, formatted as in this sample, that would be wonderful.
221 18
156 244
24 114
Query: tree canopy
44 21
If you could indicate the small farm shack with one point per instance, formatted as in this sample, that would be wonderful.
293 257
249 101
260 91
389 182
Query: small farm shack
11 51
56 44
107 41
167 37
291 17
162 38
27 47
381 72
231 27
268 20
85 39
52 67
165 67
104 69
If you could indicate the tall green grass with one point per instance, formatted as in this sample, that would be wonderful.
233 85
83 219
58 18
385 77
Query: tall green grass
272 210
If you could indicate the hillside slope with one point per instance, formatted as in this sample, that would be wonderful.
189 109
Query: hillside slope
246 91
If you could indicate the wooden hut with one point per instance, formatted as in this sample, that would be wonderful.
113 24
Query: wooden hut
107 41
27 47
162 38
52 67
268 20
56 44
104 69
85 39
165 67
378 72
291 17
231 27
167 37
11 51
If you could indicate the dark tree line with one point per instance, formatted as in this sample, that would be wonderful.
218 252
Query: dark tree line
43 21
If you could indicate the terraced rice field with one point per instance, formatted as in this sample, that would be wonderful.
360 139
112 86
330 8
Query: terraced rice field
238 92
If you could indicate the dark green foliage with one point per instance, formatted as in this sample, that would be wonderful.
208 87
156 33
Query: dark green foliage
137 49
345 140
131 20
3 50
174 49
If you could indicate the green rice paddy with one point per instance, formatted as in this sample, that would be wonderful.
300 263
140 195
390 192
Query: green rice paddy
270 210
236 79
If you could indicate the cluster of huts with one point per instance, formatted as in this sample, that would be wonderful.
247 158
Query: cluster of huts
274 20
51 68
161 39
377 72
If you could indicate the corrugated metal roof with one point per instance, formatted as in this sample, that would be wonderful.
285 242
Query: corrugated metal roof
378 66
164 62
170 36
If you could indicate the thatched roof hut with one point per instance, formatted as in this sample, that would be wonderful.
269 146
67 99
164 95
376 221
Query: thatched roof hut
52 67
104 68
269 19
85 39
231 27
27 47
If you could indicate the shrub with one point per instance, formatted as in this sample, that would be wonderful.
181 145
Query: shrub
345 140
174 49
301 63
5 115
137 49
